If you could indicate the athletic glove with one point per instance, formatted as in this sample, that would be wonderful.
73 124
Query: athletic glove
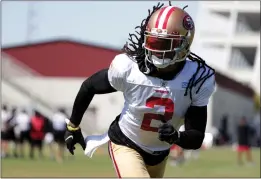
73 136
168 133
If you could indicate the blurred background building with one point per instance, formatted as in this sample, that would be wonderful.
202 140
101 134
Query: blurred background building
228 37
47 75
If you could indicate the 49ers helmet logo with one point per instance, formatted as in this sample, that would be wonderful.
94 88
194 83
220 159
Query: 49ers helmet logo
188 23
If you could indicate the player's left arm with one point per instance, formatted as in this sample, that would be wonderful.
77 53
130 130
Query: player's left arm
195 121
195 126
196 118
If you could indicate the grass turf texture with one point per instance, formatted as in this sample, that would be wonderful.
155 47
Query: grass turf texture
216 162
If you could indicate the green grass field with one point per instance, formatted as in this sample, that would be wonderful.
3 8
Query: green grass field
216 162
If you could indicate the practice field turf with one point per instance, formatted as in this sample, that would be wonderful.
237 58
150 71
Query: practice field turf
216 162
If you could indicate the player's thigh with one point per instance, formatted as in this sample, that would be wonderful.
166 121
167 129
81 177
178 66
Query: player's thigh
127 162
21 138
27 135
157 171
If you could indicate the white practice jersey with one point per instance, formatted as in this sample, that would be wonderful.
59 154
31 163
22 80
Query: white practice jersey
148 98
22 121
58 121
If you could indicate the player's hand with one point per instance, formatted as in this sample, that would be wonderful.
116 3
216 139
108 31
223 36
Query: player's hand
73 136
168 133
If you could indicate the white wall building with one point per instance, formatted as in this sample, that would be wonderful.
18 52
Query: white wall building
228 38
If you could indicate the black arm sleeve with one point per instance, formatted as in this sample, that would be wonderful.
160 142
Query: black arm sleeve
98 83
195 126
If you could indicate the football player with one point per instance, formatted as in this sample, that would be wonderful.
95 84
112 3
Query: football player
162 84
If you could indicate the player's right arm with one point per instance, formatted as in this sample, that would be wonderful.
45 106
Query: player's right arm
98 83
103 82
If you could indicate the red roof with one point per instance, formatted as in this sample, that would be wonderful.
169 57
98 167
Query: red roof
66 58
63 58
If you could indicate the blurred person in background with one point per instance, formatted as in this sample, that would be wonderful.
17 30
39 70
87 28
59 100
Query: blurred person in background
155 72
49 138
244 132
224 137
37 133
23 128
4 138
11 136
256 127
177 156
59 128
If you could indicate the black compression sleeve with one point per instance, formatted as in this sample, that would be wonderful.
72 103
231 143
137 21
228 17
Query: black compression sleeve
195 126
98 83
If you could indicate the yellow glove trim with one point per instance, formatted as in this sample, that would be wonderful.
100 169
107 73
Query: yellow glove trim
70 128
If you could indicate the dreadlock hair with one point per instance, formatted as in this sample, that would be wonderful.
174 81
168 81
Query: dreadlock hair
203 76
138 50
138 53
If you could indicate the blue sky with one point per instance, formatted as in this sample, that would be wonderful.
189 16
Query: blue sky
100 22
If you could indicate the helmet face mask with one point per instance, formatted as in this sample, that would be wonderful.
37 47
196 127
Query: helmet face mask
163 51
169 42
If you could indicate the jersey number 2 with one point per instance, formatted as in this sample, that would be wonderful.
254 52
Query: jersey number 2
151 103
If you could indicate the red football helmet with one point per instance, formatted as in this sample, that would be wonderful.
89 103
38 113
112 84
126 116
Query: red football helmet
168 36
